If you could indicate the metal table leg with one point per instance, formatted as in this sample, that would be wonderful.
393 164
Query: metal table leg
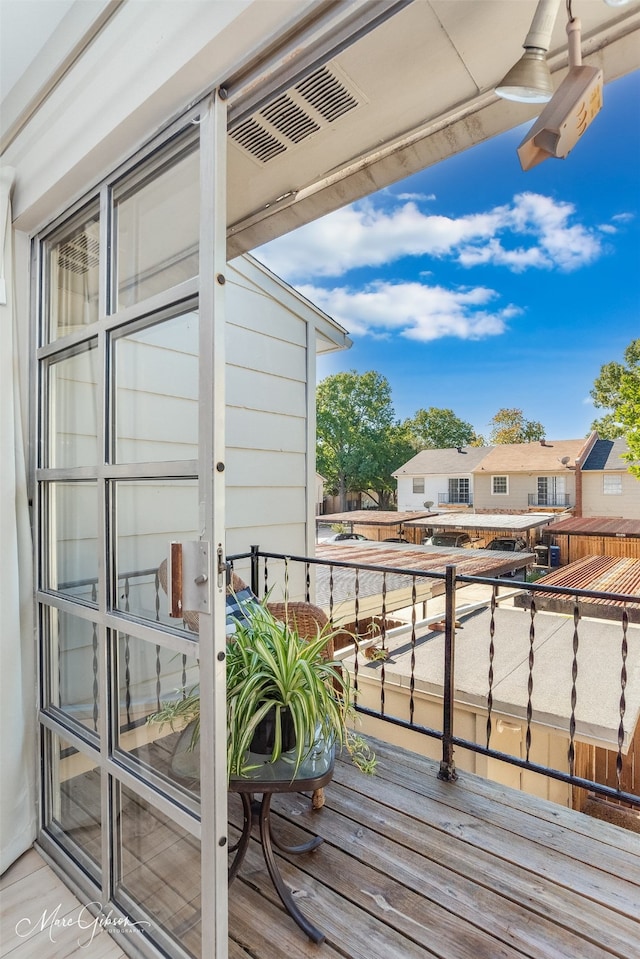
242 844
283 890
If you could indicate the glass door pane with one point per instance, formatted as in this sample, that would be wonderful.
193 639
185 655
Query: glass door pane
72 275
149 678
73 408
157 218
147 516
158 871
156 391
74 815
70 549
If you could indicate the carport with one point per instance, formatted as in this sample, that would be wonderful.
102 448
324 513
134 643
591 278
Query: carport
484 526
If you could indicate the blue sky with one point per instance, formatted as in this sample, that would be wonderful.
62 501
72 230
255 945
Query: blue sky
474 286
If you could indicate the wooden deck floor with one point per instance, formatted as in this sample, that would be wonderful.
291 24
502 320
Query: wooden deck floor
413 867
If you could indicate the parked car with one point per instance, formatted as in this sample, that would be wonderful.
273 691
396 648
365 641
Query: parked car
338 537
510 544
395 539
448 539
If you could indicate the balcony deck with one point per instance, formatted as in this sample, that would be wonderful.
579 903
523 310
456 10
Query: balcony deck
414 867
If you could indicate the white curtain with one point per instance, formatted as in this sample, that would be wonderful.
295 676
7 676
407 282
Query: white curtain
17 658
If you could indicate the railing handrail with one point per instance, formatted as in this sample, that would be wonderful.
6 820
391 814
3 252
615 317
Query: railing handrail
434 574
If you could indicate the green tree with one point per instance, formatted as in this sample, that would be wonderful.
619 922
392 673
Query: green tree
391 448
510 426
617 389
439 429
359 442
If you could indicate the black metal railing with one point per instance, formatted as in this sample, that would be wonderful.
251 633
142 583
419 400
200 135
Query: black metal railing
549 499
340 585
455 499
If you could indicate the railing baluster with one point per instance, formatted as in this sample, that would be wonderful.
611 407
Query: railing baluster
574 694
623 702
532 636
307 583
412 678
94 664
286 579
158 671
127 679
492 652
331 595
447 765
382 669
255 560
156 584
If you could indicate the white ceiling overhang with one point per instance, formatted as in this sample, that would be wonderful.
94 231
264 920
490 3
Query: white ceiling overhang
409 93
329 100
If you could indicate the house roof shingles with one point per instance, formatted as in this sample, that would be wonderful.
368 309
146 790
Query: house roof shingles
607 455
531 457
449 461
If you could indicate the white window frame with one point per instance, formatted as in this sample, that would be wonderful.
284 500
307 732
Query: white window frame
418 485
505 491
612 484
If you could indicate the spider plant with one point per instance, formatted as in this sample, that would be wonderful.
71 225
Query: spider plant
271 670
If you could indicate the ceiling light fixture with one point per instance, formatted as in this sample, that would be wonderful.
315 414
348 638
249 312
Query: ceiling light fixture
572 108
529 80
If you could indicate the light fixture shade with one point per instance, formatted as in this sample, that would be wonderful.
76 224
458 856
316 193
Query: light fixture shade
529 80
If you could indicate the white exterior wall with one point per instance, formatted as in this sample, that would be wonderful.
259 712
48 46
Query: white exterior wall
268 428
520 485
596 503
434 485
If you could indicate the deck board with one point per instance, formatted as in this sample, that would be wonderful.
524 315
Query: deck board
411 868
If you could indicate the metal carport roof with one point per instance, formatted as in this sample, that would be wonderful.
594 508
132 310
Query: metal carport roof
500 522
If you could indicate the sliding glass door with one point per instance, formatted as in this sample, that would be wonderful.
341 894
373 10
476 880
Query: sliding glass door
130 459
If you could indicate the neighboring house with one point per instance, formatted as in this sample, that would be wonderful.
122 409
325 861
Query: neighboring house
320 481
587 476
516 477
441 478
608 488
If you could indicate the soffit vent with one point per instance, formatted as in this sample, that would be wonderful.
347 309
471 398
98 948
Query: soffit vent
79 254
317 100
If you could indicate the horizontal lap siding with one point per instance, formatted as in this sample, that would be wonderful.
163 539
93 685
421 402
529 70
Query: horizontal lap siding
266 422
597 503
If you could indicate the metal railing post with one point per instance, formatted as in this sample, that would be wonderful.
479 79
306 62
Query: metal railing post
447 765
255 550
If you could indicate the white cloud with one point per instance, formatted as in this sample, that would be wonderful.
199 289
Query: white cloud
415 196
531 232
414 310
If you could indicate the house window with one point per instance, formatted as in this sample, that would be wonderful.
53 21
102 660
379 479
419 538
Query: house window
612 485
418 484
499 485
459 490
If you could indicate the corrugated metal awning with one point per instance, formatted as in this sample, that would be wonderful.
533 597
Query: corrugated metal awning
490 521
598 526
373 517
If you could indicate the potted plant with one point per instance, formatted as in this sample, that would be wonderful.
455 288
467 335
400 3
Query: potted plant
277 679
